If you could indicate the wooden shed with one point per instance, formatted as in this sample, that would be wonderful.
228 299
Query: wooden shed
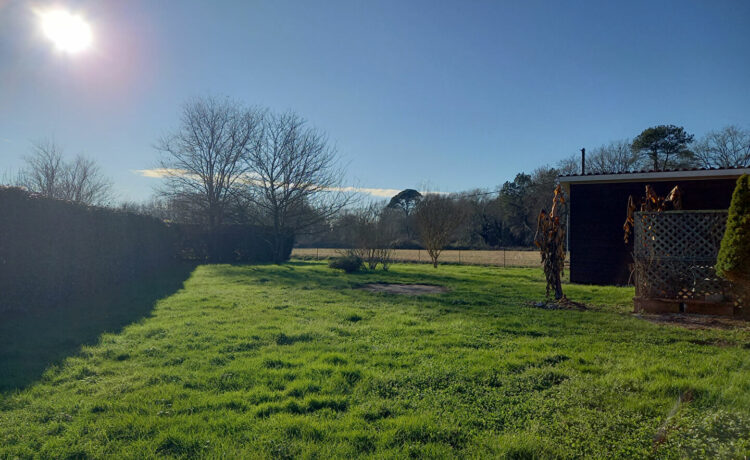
598 207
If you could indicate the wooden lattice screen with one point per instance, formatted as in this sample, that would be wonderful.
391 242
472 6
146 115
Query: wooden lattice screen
675 253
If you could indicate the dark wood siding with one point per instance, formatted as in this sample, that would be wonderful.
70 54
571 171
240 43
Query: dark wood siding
598 254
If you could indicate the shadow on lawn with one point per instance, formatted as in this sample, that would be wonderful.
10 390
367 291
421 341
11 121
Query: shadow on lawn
30 342
293 274
463 292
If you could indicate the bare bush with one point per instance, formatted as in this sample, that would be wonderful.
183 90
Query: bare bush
437 218
372 237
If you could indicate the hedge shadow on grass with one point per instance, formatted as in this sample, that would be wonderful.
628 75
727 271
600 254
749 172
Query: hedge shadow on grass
34 340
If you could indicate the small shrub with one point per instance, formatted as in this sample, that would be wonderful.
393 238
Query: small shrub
733 262
349 264
387 259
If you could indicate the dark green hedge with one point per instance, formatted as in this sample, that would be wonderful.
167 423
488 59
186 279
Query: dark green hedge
229 244
52 250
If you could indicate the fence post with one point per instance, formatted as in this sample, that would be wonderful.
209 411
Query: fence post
503 257
459 257
317 257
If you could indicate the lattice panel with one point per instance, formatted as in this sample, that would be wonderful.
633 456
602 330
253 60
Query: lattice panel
685 235
675 253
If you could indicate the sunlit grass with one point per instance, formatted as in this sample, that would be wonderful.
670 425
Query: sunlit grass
291 361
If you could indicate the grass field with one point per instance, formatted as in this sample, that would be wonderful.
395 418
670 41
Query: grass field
292 362
500 258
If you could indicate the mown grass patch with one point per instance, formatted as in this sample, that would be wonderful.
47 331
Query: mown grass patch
294 361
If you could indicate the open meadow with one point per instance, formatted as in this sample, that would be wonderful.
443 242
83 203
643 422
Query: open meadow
498 257
293 361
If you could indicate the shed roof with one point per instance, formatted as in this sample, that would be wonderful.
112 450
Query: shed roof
656 176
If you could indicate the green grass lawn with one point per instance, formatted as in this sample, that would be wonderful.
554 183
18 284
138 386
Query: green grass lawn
291 361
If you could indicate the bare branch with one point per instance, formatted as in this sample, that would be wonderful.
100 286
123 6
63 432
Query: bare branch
80 181
295 179
726 148
204 158
437 218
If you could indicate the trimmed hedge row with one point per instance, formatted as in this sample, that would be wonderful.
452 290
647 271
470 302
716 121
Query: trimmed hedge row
229 244
52 251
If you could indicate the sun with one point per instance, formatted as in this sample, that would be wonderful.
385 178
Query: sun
69 32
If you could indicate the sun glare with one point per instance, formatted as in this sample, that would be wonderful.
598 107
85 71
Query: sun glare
69 32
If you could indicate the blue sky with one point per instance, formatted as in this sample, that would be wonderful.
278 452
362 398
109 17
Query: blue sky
456 95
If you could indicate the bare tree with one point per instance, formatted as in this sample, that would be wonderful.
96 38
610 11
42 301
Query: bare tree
295 180
726 148
204 159
43 170
371 237
437 218
81 181
569 166
615 157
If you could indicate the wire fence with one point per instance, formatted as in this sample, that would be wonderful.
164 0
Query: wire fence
497 257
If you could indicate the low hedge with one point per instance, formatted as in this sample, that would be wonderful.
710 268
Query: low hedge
228 244
52 251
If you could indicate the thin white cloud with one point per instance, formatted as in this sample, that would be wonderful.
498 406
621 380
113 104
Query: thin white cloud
379 192
158 173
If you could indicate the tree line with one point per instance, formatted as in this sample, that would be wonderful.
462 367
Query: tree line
226 163
478 219
507 216
666 147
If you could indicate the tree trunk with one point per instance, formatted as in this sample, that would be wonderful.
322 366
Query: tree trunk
276 238
278 243
558 289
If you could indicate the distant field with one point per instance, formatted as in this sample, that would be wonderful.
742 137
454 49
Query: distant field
509 258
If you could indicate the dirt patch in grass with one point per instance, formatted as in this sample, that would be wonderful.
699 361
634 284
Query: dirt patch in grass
562 304
697 321
405 289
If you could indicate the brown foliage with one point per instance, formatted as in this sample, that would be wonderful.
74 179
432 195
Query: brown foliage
550 239
651 202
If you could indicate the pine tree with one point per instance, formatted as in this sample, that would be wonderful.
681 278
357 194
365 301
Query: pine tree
733 262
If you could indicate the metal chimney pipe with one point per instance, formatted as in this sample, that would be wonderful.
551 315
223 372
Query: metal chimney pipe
583 161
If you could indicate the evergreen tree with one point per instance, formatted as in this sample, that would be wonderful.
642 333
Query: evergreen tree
734 255
664 147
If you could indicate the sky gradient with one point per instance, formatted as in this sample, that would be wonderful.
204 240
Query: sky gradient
451 95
